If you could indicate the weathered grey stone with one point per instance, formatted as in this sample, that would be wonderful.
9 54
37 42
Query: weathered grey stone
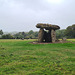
41 35
53 35
47 26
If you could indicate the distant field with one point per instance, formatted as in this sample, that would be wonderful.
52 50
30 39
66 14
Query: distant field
19 57
71 39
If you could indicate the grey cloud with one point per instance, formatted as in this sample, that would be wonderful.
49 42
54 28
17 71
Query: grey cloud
23 15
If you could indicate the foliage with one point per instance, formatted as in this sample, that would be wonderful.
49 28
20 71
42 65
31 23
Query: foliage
18 57
70 31
7 36
60 33
20 35
1 32
31 34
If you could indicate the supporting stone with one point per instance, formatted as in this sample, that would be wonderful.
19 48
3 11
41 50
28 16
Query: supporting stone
41 35
53 35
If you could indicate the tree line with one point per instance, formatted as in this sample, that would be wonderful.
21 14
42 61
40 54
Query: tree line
69 32
20 35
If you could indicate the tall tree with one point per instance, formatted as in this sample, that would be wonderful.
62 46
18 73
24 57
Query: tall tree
30 32
7 36
1 32
70 31
60 33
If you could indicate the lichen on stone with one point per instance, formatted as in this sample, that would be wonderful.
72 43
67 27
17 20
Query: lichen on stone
47 26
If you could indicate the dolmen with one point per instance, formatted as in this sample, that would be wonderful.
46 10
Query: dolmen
47 32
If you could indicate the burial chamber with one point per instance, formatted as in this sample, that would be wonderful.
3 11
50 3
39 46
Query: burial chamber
47 32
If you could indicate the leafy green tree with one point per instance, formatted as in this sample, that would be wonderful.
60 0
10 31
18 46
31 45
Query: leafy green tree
36 34
20 35
30 32
70 31
60 33
7 36
1 32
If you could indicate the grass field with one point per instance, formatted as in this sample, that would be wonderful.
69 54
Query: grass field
19 57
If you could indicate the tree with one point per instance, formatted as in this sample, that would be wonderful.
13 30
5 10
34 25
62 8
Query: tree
35 34
60 33
20 35
30 32
70 31
7 36
1 32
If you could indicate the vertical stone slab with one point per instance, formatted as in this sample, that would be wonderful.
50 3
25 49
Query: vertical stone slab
41 35
53 35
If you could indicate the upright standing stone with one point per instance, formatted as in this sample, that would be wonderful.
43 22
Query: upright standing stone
53 35
41 35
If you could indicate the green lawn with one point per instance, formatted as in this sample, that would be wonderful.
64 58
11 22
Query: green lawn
19 57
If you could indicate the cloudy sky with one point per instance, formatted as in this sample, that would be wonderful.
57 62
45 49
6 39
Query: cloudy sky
23 15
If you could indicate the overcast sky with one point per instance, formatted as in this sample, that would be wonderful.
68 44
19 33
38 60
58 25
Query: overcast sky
23 15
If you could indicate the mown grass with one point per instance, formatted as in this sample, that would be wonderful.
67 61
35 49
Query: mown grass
73 40
19 57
